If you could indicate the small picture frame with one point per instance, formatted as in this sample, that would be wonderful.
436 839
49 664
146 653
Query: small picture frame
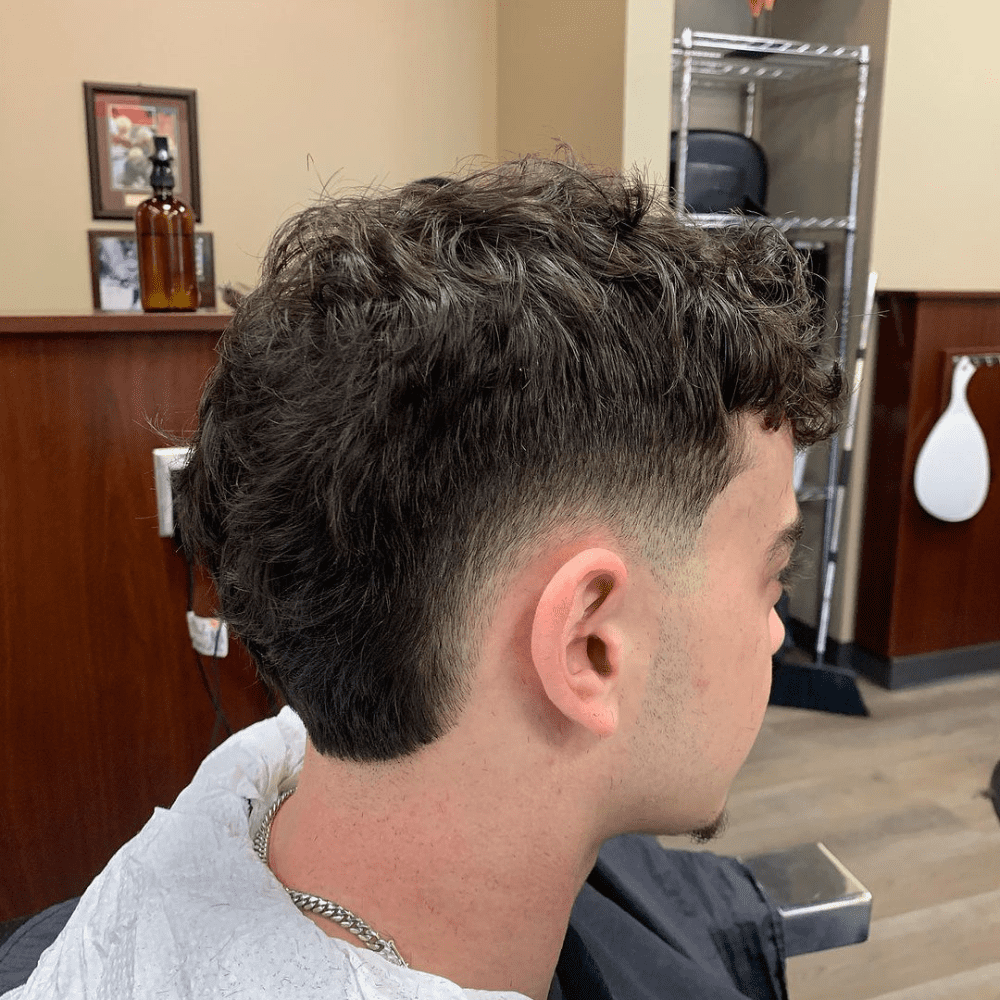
121 123
204 255
114 270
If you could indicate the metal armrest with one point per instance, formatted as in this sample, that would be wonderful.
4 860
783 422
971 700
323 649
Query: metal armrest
821 903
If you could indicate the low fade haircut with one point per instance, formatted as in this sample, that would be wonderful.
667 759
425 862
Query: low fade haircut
429 380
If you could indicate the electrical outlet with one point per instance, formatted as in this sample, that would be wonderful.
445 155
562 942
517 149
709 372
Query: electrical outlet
165 461
209 636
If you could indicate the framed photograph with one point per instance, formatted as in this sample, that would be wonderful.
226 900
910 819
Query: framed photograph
121 123
204 255
114 270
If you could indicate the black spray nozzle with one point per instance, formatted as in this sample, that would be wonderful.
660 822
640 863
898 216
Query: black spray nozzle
162 177
161 149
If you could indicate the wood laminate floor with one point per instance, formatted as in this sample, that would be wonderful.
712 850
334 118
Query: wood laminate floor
899 798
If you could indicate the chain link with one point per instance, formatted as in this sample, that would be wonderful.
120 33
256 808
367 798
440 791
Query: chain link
307 902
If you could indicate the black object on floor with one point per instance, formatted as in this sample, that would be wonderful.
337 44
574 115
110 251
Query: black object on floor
826 688
797 681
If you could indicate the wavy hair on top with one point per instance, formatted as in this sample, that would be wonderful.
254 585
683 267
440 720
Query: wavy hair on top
427 380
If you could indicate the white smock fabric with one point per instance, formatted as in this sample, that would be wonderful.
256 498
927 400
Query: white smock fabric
187 909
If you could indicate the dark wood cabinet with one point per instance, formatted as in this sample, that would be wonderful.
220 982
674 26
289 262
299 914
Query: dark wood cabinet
104 715
929 591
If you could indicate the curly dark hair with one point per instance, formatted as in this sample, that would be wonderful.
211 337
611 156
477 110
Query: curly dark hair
429 379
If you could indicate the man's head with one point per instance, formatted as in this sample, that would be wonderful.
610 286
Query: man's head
429 381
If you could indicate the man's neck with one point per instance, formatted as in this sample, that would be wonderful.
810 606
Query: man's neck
471 885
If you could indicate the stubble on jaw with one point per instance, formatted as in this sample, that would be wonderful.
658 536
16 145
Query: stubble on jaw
706 834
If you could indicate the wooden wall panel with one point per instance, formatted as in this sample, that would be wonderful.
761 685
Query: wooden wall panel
103 712
927 585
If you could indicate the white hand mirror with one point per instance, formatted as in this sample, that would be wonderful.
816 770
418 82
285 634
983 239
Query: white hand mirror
952 475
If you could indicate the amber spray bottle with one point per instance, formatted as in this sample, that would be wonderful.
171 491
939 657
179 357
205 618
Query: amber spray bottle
164 225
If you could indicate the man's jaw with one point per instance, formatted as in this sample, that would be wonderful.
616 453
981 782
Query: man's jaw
709 832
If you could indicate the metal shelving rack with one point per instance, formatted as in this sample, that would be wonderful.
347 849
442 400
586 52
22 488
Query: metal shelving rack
708 59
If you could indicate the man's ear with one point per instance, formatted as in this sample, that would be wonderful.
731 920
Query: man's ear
576 645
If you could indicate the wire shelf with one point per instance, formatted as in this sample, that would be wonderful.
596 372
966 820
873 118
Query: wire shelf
786 223
742 59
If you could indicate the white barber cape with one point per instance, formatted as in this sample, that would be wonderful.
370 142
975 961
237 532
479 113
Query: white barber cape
187 909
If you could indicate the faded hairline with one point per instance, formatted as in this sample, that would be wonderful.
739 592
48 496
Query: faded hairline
661 536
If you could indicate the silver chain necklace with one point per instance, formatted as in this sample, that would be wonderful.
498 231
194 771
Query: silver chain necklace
368 936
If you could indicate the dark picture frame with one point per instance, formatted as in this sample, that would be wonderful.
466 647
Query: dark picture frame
114 270
121 122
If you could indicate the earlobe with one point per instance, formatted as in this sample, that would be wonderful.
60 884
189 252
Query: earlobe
576 643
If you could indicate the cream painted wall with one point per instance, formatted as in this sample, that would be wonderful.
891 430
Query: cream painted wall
649 32
939 170
290 96
561 77
592 73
